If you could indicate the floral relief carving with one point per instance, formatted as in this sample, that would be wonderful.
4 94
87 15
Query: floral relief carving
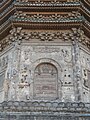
20 16
17 36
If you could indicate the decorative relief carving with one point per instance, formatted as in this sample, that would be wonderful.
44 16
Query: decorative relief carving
86 75
85 60
85 63
24 85
78 34
45 69
17 35
27 54
4 43
4 62
85 80
67 55
47 36
47 17
47 1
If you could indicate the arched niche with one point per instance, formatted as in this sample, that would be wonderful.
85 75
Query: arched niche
46 81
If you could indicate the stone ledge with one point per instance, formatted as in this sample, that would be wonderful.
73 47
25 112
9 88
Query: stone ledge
44 110
51 106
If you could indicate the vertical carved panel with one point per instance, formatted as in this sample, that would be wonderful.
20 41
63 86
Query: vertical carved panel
89 79
45 82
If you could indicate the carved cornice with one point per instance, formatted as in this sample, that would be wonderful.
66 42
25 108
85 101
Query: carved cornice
49 3
5 4
86 3
11 7
69 17
17 35
48 20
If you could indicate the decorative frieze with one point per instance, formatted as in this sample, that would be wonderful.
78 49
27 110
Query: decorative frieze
73 16
46 2
18 35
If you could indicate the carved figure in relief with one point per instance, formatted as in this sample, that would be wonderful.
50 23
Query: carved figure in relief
85 78
66 55
45 69
88 63
26 54
78 75
14 72
4 61
83 61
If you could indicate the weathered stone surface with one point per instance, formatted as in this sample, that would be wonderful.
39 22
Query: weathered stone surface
45 70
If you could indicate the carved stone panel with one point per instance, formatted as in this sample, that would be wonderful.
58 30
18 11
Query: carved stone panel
45 81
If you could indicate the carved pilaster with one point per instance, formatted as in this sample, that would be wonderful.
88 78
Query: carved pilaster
76 65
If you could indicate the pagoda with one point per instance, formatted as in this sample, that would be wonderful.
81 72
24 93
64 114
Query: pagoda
44 59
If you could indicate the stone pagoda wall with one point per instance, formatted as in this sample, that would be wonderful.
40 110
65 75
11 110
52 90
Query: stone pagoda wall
45 65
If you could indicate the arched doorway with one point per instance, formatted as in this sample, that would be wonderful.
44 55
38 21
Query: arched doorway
45 81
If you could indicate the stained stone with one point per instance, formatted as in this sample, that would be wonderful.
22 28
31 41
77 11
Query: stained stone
44 60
